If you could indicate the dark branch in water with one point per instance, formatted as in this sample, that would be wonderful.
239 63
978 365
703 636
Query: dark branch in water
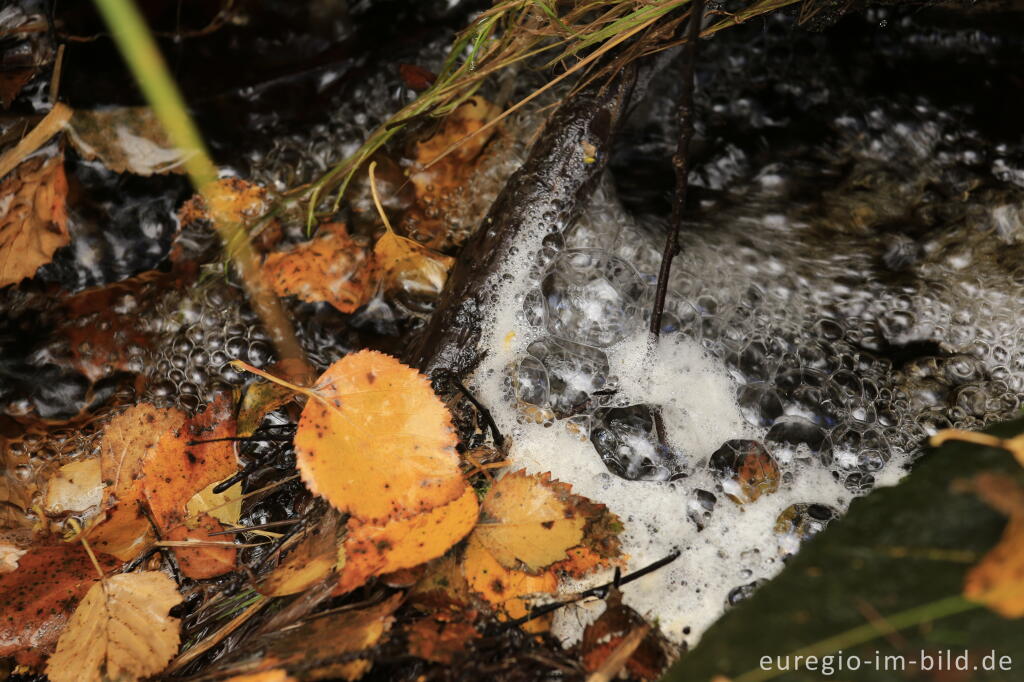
680 163
499 440
601 591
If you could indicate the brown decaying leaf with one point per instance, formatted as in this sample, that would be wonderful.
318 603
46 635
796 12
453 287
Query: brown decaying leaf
121 631
330 267
602 637
508 590
997 581
322 638
440 641
126 139
205 560
33 217
372 550
376 442
39 596
313 558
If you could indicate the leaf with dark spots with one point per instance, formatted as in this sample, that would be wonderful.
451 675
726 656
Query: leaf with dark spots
37 599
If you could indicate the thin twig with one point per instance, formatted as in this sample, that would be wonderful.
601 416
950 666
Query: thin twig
679 162
600 591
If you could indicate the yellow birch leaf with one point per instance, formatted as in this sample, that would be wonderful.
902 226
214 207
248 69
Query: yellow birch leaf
120 631
506 589
376 442
224 506
373 550
997 581
530 521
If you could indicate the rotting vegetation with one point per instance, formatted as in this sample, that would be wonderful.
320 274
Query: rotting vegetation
298 506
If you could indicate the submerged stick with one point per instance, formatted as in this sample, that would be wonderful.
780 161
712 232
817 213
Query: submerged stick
680 163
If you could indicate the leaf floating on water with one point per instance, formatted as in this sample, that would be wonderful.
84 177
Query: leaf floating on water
120 631
38 597
373 550
410 268
33 217
376 442
126 139
330 267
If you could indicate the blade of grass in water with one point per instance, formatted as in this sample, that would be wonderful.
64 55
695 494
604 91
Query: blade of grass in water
143 57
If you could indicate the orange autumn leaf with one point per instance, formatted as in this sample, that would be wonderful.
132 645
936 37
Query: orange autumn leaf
440 641
232 201
530 521
39 597
33 217
175 470
124 533
128 440
997 581
376 442
204 560
372 550
330 267
510 591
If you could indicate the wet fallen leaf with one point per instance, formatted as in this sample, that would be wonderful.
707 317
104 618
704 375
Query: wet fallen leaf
376 442
322 638
128 440
126 139
121 630
38 597
416 77
125 532
506 589
373 550
213 554
618 622
440 641
409 268
175 470
312 559
998 579
33 217
406 266
330 267
77 488
530 521
260 399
